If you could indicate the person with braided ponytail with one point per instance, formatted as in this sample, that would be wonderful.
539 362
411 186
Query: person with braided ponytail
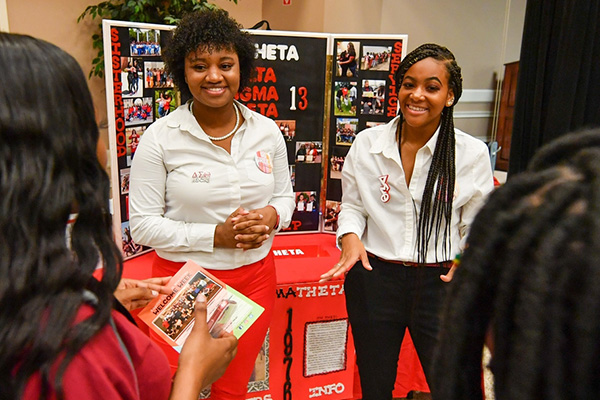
528 282
410 191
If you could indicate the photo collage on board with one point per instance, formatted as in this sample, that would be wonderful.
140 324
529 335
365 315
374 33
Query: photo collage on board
148 94
284 92
363 96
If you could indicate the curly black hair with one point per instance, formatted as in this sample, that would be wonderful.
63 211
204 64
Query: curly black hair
208 30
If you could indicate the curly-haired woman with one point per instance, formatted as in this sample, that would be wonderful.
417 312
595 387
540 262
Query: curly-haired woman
210 182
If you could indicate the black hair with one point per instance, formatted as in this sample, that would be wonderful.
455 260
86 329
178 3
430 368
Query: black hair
438 194
531 273
208 30
48 168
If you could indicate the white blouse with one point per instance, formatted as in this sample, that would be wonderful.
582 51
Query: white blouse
383 211
182 186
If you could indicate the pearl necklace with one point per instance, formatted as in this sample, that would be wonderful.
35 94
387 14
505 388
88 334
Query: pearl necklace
237 121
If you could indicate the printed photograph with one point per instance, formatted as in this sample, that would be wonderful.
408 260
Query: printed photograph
155 76
307 202
346 96
131 76
124 179
175 318
133 136
287 128
372 97
259 380
347 58
138 111
336 163
345 131
128 245
165 101
371 124
332 209
144 42
309 152
293 175
375 58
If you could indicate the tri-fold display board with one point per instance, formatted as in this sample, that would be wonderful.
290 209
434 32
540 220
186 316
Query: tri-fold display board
321 90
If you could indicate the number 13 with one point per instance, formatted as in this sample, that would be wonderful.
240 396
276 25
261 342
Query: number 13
302 93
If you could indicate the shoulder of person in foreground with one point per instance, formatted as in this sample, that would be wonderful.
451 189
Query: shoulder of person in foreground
111 367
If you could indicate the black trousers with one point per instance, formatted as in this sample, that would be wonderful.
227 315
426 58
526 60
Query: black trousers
381 304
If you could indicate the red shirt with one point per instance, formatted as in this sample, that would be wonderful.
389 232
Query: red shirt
102 371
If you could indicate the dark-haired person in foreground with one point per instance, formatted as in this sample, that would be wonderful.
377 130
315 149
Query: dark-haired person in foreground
531 277
210 181
59 335
410 191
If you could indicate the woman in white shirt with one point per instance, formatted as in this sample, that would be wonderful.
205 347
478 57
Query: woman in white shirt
210 182
399 228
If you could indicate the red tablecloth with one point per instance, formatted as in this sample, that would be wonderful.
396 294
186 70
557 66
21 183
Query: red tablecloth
302 258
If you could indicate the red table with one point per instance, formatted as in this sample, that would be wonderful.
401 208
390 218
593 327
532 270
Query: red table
304 308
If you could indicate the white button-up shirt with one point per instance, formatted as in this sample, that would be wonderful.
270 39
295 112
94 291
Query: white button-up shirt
383 210
182 186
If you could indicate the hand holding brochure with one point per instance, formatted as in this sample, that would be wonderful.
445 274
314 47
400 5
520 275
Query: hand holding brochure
171 316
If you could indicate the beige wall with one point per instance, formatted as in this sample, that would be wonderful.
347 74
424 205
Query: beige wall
56 22
353 16
246 12
473 29
300 15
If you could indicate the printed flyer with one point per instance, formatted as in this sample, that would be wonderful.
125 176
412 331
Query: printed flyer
171 316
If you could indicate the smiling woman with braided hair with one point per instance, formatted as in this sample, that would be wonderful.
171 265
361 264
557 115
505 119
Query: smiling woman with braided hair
531 276
410 190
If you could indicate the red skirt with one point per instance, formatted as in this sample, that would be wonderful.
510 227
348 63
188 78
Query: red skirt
256 281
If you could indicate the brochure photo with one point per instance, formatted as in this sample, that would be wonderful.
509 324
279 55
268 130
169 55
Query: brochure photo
172 315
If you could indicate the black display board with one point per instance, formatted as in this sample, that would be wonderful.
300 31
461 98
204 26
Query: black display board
289 88
363 94
318 105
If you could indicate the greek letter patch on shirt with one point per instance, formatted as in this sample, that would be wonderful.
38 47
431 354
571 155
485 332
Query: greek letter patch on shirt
384 188
201 176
